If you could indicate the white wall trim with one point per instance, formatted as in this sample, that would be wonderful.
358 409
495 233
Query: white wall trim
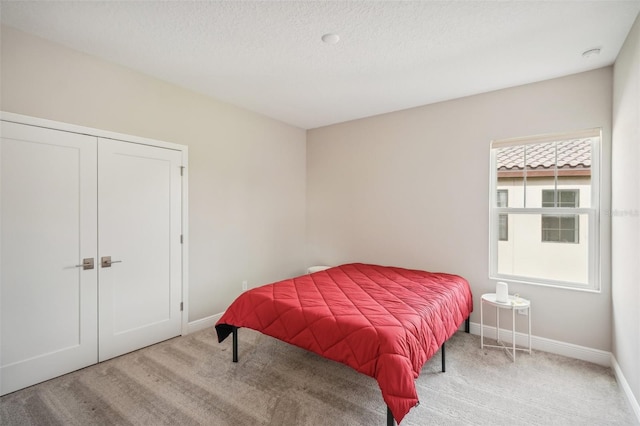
538 343
633 402
203 323
185 240
595 356
83 130
570 350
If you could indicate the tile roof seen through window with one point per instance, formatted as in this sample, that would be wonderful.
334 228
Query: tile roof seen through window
573 154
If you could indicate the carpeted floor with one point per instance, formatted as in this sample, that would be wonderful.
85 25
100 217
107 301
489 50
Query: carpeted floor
191 380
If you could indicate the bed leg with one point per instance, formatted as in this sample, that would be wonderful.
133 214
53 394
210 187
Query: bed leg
390 420
443 363
467 323
234 331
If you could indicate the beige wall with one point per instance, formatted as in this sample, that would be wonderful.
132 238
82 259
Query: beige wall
411 189
408 188
246 172
626 211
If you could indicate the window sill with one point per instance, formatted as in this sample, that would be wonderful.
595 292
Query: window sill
559 284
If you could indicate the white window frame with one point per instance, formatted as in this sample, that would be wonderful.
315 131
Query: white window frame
593 211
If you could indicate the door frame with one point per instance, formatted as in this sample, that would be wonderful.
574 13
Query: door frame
106 134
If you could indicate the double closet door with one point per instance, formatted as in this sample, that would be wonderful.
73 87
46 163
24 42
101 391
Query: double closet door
91 255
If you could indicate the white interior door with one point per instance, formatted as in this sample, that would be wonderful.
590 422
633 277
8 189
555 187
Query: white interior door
139 211
48 226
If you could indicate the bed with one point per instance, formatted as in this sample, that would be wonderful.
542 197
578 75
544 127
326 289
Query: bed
383 321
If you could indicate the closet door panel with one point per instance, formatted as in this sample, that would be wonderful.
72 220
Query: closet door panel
139 210
48 226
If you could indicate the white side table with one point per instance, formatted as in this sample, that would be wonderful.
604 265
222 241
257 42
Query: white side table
513 304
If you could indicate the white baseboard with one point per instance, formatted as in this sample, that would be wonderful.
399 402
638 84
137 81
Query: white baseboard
539 343
633 402
203 323
595 356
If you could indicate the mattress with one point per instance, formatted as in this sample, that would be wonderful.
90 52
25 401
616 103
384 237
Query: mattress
383 321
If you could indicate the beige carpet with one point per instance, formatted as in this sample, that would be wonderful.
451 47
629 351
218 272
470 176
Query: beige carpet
191 381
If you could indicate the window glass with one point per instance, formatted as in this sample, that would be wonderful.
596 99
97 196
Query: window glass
560 228
503 219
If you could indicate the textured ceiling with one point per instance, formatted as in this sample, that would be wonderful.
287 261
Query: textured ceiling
268 56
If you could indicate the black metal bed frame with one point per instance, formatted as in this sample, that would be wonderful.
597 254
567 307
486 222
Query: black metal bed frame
390 420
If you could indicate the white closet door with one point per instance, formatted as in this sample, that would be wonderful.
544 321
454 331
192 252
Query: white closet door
139 211
48 225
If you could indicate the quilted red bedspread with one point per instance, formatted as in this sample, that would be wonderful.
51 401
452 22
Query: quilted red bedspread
385 322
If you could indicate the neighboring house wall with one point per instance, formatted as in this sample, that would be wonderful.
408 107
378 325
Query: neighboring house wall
411 188
563 261
625 211
246 171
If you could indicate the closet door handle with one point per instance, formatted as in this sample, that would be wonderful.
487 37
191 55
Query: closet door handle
87 263
106 261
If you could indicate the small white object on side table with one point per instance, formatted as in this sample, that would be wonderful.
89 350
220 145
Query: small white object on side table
514 304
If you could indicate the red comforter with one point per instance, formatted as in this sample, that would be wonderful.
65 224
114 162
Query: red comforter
385 322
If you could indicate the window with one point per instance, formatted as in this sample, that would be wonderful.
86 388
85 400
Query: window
565 198
545 210
560 228
503 219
